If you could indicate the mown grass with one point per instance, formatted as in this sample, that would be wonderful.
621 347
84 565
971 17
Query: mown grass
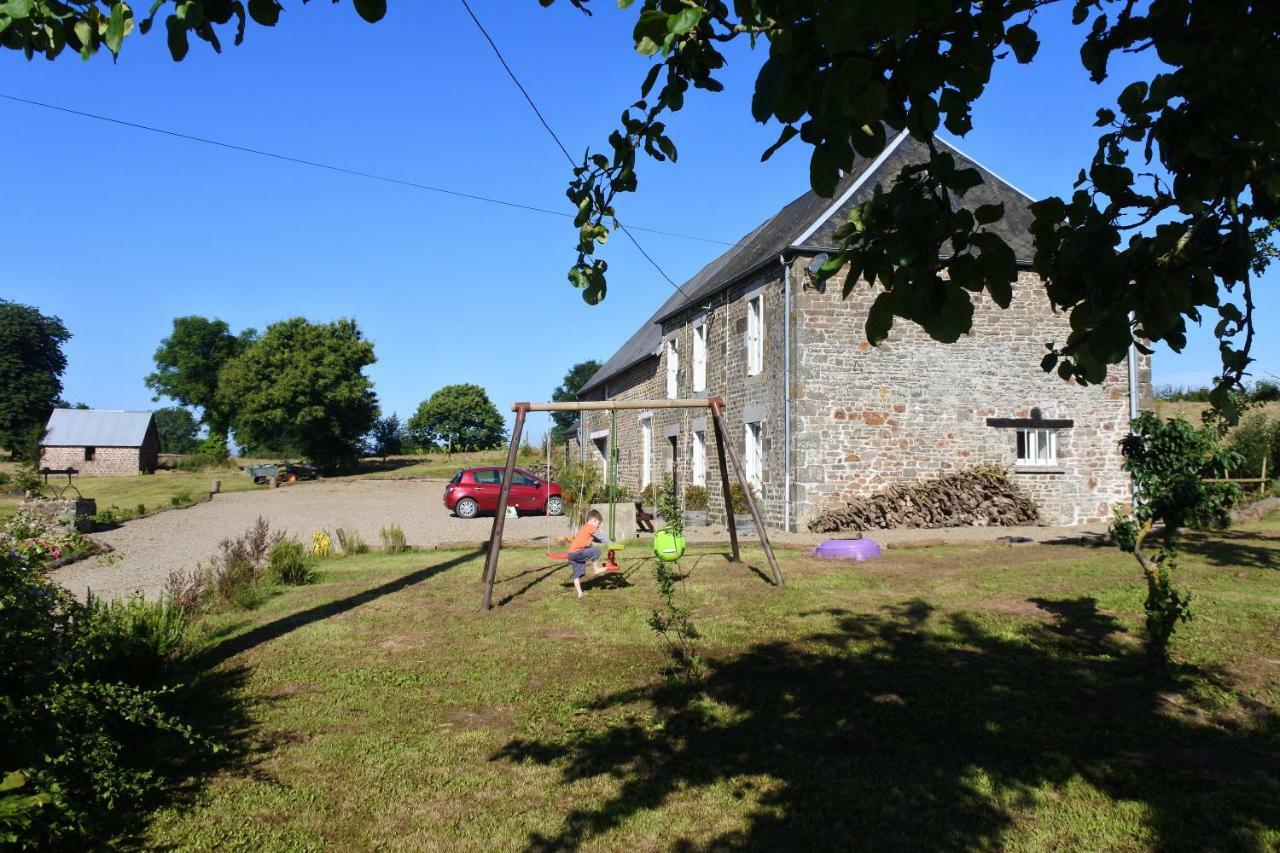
151 490
942 698
439 466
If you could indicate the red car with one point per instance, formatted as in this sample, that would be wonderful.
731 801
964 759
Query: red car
475 490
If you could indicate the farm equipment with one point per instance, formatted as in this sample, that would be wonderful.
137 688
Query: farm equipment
282 472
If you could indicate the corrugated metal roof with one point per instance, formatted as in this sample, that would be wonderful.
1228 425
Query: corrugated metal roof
96 428
782 232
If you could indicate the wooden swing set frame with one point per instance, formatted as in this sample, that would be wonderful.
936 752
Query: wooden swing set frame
723 448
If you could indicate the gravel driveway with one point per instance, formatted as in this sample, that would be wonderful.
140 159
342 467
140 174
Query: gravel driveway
148 549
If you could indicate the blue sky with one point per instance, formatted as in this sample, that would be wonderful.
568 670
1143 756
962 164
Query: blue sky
117 231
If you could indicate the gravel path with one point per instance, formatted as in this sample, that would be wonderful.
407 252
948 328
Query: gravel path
148 549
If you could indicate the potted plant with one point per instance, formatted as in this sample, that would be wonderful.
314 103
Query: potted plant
742 519
668 542
695 506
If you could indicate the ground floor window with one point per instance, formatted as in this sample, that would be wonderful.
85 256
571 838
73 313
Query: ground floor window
753 455
90 453
1037 447
646 451
699 462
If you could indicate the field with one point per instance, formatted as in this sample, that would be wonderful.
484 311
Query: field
152 490
937 698
439 466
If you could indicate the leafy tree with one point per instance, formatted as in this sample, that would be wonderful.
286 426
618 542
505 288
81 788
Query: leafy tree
178 430
302 384
1167 221
1170 461
60 403
188 364
385 438
562 422
31 368
460 417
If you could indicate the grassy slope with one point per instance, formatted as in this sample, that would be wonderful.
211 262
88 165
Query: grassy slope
1191 411
154 490
439 466
934 698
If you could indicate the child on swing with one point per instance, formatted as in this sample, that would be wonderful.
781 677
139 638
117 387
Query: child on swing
583 550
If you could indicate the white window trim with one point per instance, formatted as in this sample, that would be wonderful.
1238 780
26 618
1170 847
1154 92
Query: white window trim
673 369
1032 443
700 364
755 353
753 454
698 464
646 449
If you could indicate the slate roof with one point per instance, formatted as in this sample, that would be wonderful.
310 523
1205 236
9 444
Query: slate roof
785 229
96 428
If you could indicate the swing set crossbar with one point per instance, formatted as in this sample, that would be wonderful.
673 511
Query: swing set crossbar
725 453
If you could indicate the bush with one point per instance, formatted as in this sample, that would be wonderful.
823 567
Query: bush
393 541
28 480
649 494
5 479
289 564
77 738
696 499
198 462
140 510
137 638
36 540
738 500
233 574
1256 438
350 542
617 494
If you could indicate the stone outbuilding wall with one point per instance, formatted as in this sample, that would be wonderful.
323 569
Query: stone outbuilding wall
106 461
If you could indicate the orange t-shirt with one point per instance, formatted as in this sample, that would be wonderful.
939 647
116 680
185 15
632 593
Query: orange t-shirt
584 537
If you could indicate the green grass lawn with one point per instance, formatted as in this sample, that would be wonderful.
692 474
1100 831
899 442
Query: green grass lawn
153 490
439 466
934 699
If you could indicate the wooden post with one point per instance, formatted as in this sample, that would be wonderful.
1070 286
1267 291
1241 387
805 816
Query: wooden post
722 450
721 441
500 518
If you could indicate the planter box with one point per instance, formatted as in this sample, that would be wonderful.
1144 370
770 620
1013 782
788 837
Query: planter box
624 518
696 518
744 523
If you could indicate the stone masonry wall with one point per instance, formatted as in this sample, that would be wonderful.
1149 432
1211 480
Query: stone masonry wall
107 461
913 408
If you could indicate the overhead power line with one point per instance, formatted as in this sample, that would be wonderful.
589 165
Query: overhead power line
547 125
318 164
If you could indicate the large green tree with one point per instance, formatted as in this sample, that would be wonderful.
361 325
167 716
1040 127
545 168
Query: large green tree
459 417
188 364
1157 233
31 368
303 384
567 391
178 430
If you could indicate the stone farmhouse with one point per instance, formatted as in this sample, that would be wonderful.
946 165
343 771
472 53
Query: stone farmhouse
101 443
819 416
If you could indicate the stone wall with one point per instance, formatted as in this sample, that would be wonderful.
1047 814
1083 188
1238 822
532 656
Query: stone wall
107 461
66 515
913 408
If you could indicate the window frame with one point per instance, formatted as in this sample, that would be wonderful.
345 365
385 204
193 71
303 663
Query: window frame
753 454
755 333
700 355
1028 447
698 458
90 453
646 449
673 369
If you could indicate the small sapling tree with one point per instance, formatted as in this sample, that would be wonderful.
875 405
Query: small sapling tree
1170 461
673 621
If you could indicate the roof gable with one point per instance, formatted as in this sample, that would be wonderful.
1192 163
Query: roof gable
96 428
809 223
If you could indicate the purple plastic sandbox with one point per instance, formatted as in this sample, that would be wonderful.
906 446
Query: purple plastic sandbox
847 549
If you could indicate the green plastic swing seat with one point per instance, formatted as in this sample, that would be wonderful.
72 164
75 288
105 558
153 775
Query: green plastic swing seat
667 545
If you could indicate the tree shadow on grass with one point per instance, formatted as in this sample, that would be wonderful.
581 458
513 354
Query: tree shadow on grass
908 730
1233 548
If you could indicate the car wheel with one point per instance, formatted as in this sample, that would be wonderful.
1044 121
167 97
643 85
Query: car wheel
466 508
555 505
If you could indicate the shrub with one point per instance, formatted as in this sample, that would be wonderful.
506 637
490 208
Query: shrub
393 541
137 638
198 462
617 494
696 499
649 494
350 542
140 510
233 574
289 564
5 479
42 543
1257 438
28 480
738 500
77 738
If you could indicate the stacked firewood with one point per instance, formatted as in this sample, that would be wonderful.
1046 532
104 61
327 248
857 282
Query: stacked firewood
978 497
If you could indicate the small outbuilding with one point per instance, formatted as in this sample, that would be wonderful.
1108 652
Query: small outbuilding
100 443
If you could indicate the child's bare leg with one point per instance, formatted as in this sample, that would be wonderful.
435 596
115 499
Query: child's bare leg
577 585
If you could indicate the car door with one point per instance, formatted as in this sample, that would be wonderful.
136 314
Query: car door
488 482
524 491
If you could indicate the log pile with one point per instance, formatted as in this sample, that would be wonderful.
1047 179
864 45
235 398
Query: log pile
978 497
